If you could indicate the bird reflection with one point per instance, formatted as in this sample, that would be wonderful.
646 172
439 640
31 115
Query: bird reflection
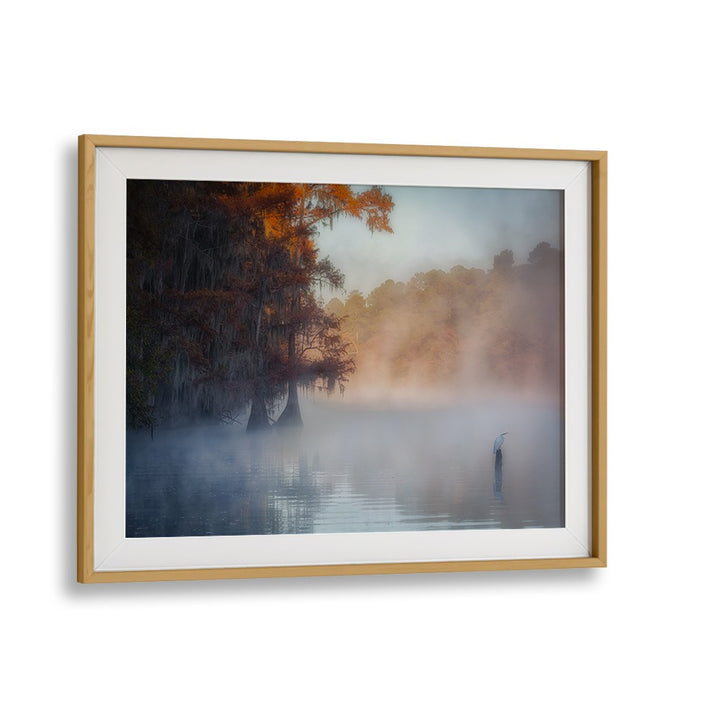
497 488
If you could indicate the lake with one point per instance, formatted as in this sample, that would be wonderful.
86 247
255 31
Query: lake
352 469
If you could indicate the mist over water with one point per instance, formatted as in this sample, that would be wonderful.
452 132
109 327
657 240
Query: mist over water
353 468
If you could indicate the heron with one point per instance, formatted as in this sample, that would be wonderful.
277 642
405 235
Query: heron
499 440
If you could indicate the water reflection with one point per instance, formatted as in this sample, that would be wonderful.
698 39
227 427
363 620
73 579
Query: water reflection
359 471
497 487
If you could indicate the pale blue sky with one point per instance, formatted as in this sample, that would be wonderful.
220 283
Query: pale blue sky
440 228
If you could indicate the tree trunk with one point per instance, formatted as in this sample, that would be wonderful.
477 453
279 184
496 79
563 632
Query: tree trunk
258 419
290 416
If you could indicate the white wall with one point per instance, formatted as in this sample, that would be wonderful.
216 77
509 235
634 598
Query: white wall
637 639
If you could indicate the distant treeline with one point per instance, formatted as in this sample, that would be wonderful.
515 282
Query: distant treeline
461 330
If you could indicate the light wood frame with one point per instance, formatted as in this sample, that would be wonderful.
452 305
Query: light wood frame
88 144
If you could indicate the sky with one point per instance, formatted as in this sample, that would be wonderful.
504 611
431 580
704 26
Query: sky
438 228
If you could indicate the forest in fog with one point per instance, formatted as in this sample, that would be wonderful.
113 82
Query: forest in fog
450 335
225 319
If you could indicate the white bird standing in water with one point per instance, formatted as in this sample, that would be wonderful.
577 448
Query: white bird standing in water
499 440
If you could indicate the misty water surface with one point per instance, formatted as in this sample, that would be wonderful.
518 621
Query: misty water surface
352 469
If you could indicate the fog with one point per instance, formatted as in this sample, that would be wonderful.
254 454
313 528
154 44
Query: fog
352 469
449 337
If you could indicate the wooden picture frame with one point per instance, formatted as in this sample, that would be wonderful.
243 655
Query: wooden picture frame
105 165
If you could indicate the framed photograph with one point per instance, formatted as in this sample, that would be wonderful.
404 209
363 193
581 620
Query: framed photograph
323 359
